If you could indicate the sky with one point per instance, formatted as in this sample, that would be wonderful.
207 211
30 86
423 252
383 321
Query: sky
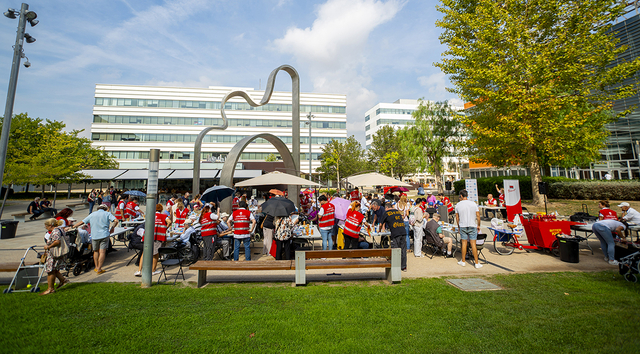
372 51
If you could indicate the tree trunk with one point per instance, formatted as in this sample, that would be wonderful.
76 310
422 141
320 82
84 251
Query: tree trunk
55 195
69 192
536 176
338 175
42 196
438 174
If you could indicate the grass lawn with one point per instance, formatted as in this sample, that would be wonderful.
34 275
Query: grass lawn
536 313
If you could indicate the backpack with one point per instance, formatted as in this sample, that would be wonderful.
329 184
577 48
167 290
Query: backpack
283 229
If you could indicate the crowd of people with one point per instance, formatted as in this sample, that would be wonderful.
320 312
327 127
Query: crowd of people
395 214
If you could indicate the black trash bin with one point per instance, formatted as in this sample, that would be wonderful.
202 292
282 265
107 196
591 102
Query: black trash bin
569 251
9 228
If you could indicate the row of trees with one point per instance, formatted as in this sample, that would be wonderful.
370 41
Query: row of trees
40 152
423 145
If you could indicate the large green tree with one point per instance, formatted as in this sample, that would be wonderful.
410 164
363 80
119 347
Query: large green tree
341 159
540 75
41 152
386 155
435 134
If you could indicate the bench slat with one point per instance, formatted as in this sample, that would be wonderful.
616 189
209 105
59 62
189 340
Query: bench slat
226 265
347 263
9 267
378 252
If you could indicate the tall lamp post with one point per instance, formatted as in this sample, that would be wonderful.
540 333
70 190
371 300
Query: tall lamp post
24 15
309 116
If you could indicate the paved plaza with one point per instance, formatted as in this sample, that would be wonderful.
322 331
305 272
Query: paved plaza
31 233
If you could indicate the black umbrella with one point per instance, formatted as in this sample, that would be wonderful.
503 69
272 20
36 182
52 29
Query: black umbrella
278 206
216 194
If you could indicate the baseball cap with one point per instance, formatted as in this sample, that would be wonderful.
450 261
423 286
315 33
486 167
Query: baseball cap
623 204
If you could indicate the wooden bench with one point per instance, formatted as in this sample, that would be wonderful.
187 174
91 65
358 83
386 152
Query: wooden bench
26 216
80 205
9 267
388 258
203 266
373 258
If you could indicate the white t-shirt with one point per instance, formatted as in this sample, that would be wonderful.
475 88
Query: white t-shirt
632 216
467 210
612 224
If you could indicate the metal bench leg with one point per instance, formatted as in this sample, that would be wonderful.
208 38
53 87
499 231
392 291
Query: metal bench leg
301 276
202 278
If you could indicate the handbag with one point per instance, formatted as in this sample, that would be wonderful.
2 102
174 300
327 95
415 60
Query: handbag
63 247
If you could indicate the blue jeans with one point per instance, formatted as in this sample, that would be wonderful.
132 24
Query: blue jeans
608 245
469 233
327 241
247 250
91 204
406 229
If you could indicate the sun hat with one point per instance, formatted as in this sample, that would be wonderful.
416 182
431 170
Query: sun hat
623 204
222 215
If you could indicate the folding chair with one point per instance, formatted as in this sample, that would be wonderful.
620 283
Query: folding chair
169 262
430 242
479 246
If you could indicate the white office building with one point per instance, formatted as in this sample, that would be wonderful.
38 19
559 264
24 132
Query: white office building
128 121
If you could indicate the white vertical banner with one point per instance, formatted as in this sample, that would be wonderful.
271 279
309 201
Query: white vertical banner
471 185
512 198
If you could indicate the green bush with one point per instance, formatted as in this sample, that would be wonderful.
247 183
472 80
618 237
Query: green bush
564 188
595 190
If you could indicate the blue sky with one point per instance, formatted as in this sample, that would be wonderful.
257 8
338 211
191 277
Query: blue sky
373 51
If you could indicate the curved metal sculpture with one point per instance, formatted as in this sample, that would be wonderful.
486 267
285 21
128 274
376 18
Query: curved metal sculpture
295 134
229 166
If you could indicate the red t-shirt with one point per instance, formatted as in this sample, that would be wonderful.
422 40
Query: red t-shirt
608 214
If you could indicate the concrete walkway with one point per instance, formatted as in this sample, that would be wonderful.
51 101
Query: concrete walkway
31 233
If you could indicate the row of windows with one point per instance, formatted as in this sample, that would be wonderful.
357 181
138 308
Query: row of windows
393 121
366 118
190 138
188 155
235 106
367 127
394 111
368 137
270 123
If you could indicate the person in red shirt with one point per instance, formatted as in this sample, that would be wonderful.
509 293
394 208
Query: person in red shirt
355 195
243 222
180 215
305 203
501 196
162 223
352 226
326 220
120 215
209 230
446 202
236 200
132 210
491 201
606 213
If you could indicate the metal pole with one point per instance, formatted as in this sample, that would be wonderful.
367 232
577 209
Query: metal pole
637 155
309 116
149 223
11 92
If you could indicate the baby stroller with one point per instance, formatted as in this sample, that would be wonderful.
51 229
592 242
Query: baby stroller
629 267
80 256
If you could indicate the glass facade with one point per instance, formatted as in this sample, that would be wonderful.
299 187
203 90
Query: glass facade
396 121
188 155
234 106
190 138
620 157
269 123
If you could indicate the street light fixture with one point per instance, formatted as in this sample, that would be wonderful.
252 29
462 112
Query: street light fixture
24 16
309 116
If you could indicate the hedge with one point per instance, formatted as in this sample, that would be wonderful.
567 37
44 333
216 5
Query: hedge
564 188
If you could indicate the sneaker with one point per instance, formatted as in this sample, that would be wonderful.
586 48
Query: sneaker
404 269
478 265
420 256
462 263
156 272
613 262
137 274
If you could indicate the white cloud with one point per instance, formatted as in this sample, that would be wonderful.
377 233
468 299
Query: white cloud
435 83
334 49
